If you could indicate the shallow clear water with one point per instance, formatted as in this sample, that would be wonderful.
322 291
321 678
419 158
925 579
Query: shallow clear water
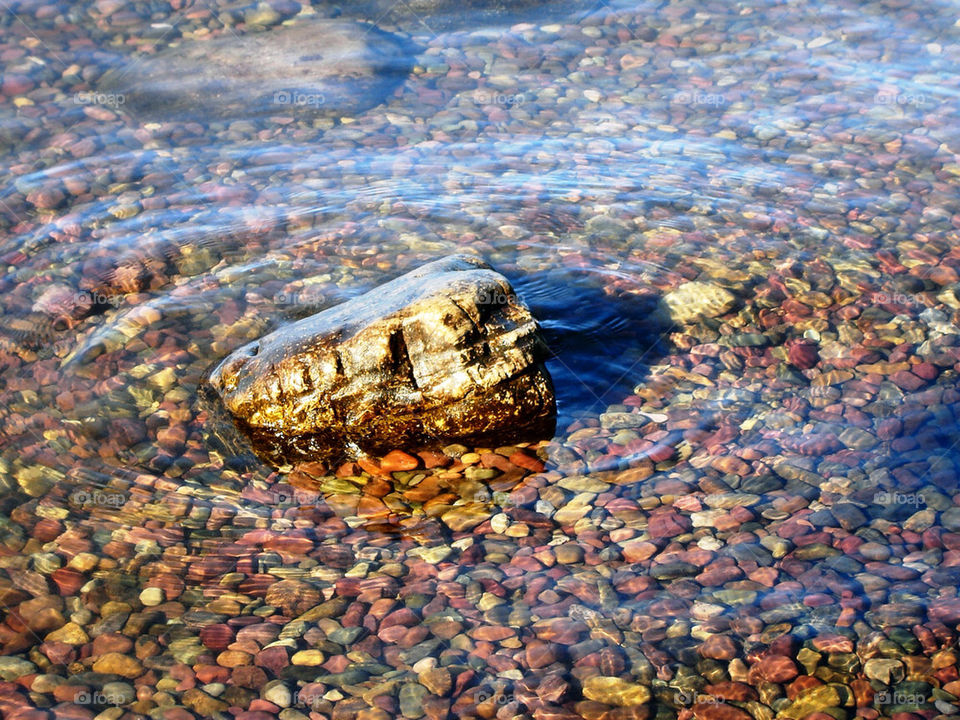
803 157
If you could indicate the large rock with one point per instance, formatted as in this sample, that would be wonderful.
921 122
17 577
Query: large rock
444 353
426 17
329 67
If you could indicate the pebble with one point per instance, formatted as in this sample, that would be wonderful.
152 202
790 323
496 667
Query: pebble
691 300
152 596
114 663
615 691
411 700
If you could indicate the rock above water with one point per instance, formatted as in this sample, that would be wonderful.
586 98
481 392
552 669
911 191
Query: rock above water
330 67
444 353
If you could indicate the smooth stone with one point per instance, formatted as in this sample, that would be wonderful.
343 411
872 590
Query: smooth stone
311 657
330 68
692 300
114 663
443 353
278 693
812 700
615 691
152 596
622 420
12 668
411 700
119 693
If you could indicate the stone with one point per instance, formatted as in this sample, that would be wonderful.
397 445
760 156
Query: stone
812 700
444 353
885 670
621 420
777 668
692 300
12 668
294 597
803 354
397 460
411 700
718 711
115 663
719 647
119 693
310 658
71 634
664 525
615 691
324 67
152 596
462 518
279 694
440 16
437 680
203 704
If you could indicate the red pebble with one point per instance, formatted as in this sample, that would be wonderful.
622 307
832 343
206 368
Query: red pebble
803 354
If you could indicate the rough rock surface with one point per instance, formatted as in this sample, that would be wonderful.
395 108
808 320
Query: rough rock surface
444 353
331 67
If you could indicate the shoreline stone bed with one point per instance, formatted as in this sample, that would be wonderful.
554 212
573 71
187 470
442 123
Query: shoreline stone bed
765 522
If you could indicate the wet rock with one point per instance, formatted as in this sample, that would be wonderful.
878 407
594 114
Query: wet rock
719 647
777 669
719 711
436 680
445 352
114 663
812 700
411 700
615 691
328 67
12 668
202 703
433 16
294 597
803 354
692 300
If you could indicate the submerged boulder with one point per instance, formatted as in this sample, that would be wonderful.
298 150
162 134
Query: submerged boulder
328 67
444 353
427 17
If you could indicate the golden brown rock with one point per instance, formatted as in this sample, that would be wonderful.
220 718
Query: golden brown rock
444 353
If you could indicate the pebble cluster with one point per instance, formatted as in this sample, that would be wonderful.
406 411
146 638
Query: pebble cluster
765 524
